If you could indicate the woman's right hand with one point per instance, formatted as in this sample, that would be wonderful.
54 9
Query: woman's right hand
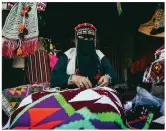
81 81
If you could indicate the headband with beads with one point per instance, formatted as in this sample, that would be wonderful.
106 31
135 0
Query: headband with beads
85 25
85 28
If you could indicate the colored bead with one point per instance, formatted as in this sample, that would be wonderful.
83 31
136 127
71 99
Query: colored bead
22 13
26 8
21 27
19 51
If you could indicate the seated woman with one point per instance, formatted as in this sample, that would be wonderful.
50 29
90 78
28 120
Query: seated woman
92 108
83 66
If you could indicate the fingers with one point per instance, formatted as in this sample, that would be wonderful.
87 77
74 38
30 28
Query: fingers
101 80
78 85
82 82
89 83
104 83
85 83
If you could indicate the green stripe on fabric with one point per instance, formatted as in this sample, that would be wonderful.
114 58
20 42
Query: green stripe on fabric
103 117
67 107
29 106
86 124
148 121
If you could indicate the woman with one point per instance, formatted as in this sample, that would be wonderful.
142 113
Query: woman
83 66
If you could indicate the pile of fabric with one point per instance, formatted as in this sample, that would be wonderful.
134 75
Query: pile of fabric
142 107
72 109
144 103
76 109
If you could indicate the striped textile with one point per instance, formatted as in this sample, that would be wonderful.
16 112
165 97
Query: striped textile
38 69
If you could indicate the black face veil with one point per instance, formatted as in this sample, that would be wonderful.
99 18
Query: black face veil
87 59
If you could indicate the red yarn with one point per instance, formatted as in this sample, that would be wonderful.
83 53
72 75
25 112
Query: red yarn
10 46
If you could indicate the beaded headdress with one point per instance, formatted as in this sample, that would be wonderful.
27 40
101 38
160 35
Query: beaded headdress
85 29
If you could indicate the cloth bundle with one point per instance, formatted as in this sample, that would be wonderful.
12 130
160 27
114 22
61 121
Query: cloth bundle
155 73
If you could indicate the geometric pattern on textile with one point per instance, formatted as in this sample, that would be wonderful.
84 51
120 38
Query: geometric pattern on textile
155 73
25 122
87 123
41 117
17 94
18 91
92 99
14 101
53 111
142 122
38 114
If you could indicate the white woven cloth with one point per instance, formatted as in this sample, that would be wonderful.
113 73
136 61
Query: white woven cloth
14 19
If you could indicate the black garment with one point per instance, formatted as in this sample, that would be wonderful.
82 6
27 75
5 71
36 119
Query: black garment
5 118
59 77
18 77
6 73
88 61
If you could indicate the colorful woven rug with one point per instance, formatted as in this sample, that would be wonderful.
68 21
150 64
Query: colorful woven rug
97 108
13 96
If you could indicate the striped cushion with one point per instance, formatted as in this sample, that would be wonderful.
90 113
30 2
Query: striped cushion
38 69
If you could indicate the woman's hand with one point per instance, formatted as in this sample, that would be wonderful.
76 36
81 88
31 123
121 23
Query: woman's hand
104 80
81 81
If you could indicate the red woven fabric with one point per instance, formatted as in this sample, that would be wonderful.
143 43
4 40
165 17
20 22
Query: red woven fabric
142 63
38 68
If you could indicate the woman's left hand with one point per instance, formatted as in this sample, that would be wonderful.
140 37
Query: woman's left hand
104 81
